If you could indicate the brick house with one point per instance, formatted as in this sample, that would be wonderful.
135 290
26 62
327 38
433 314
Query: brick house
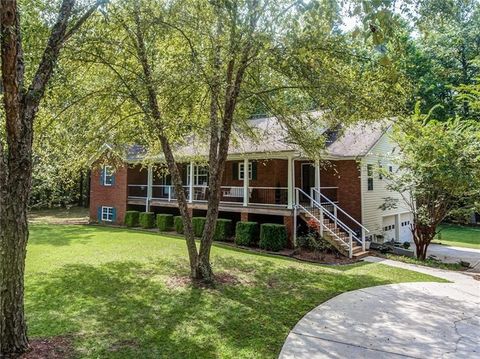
269 180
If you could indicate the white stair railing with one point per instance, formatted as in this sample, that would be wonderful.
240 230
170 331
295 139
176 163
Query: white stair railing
324 213
320 198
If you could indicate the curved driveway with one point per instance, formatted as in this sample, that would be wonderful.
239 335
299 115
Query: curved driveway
410 320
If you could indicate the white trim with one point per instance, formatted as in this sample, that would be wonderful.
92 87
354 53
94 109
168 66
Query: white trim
290 183
104 177
107 211
246 180
190 184
250 169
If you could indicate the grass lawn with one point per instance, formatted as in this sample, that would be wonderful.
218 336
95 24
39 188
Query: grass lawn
459 236
125 294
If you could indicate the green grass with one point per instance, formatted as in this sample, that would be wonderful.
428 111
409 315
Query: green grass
122 294
459 236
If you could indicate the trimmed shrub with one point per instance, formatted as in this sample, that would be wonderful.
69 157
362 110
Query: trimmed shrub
273 237
131 218
147 219
223 229
165 222
178 224
198 224
246 233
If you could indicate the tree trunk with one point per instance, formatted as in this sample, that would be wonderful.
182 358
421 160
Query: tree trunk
13 238
422 236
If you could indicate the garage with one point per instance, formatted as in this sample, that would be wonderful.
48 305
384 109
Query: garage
388 228
405 227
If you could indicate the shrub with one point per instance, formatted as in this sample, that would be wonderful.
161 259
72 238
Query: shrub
147 219
131 218
165 222
223 229
273 237
178 223
246 233
198 224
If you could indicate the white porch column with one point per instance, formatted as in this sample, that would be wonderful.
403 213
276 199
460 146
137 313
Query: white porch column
246 179
190 184
317 180
290 182
149 188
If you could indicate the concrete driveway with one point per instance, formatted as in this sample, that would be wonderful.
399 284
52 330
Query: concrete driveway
456 254
411 320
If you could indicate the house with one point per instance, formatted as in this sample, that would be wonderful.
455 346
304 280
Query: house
270 180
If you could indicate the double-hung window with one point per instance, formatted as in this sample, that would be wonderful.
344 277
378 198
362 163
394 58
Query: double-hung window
241 170
107 176
107 214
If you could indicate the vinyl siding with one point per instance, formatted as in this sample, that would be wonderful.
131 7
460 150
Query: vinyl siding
383 152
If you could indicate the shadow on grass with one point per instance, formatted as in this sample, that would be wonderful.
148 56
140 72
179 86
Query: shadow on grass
128 310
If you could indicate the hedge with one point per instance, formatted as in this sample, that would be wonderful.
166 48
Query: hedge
246 233
178 224
223 229
198 224
165 222
273 237
147 219
131 218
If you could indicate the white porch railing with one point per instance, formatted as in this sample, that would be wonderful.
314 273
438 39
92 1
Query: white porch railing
269 196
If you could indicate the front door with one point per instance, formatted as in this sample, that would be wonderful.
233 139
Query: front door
308 177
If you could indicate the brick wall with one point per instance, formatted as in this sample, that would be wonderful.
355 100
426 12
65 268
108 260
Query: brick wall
111 196
270 173
347 175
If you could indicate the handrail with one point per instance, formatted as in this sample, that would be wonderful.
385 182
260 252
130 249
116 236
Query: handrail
322 224
343 225
340 208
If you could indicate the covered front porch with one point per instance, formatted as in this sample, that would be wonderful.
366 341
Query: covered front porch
261 183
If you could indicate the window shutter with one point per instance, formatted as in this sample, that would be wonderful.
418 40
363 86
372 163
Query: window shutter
114 214
99 214
101 176
235 170
113 179
254 170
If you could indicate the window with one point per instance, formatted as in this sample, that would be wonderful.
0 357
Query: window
107 214
241 171
369 170
370 177
107 174
200 175
380 173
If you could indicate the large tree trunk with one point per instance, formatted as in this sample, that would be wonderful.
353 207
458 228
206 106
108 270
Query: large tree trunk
21 106
13 239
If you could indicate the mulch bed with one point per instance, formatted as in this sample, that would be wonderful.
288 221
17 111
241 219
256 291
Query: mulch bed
59 347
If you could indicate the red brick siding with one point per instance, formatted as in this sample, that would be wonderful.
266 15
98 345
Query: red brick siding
346 176
288 222
111 196
270 173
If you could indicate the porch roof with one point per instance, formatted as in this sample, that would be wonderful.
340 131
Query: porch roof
271 139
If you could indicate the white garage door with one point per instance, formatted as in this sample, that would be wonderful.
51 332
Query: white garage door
405 227
388 228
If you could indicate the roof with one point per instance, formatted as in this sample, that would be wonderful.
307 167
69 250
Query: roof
270 136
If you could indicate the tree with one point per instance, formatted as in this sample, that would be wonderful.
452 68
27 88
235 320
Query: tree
441 56
196 69
22 96
439 172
